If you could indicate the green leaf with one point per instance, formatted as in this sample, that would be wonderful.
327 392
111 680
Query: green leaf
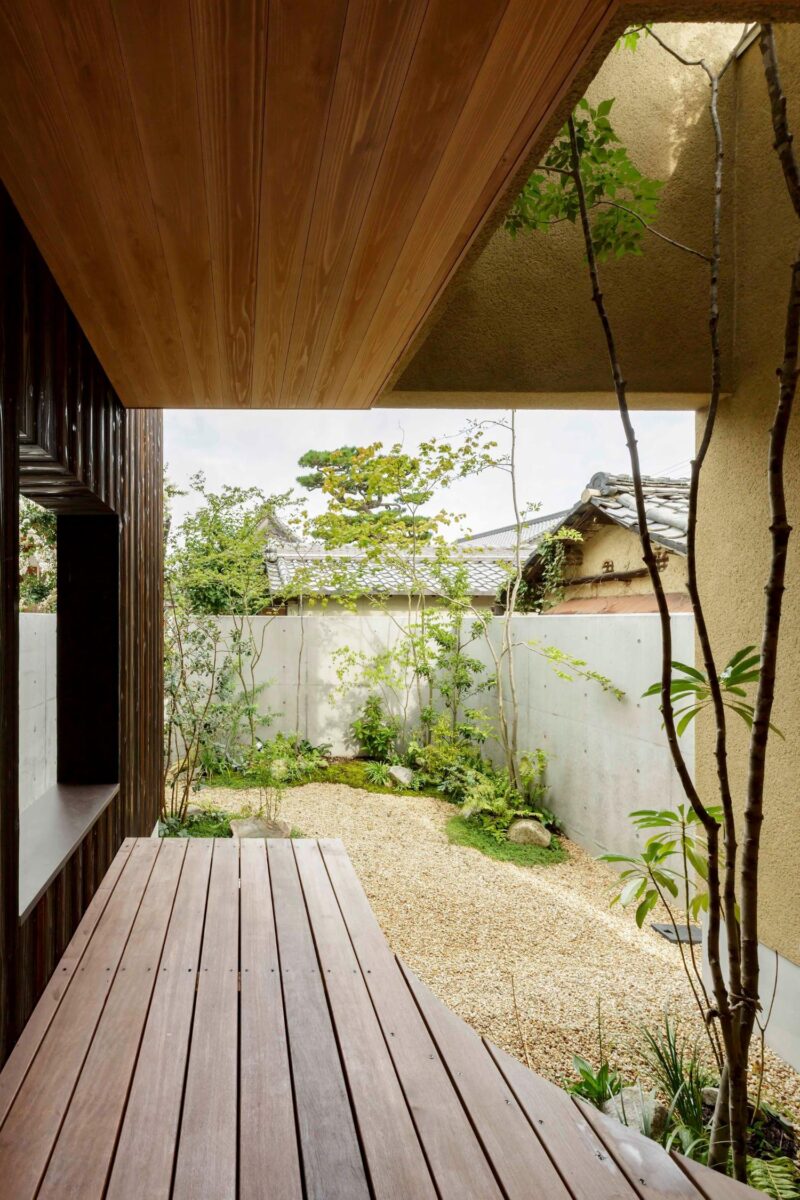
738 656
687 670
686 719
647 905
631 891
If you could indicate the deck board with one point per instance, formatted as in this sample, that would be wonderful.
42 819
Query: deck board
583 1162
207 1156
654 1174
32 1126
146 1149
515 1152
98 1102
456 1157
267 1132
25 1051
394 1155
229 1022
332 1161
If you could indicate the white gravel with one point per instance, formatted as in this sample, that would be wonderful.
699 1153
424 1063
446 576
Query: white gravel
469 926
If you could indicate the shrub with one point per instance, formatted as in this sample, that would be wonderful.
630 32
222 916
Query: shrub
286 760
494 802
374 731
377 773
449 761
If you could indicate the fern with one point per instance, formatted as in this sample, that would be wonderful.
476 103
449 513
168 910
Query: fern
776 1177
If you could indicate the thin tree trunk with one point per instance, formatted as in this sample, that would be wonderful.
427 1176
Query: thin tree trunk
780 531
709 824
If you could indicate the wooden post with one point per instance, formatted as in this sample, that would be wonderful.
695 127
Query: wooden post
9 626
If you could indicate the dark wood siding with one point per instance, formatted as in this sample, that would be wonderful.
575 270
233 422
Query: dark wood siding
68 443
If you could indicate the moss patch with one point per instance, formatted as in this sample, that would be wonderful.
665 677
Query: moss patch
352 772
462 833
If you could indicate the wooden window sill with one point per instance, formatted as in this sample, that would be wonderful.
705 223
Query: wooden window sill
51 829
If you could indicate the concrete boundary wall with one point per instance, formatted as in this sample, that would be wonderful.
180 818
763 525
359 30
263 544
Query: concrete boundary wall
606 757
37 705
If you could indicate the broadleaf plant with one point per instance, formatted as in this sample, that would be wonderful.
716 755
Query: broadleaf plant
691 692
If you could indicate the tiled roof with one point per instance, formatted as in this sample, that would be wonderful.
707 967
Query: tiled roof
505 537
666 508
312 569
666 505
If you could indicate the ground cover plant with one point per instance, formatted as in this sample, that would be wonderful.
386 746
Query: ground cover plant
461 832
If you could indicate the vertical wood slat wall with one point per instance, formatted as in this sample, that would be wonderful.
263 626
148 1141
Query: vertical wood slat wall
64 432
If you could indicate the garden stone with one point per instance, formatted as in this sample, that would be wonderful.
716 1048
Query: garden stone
528 832
401 775
259 827
640 1110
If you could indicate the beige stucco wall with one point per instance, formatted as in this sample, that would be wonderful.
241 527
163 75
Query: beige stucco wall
520 318
733 538
622 547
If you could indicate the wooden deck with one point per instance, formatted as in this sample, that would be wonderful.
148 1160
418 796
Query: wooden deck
228 1021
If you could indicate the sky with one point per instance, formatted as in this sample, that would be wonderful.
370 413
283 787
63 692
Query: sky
559 451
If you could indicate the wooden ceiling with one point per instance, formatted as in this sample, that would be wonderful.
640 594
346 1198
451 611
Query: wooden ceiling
259 202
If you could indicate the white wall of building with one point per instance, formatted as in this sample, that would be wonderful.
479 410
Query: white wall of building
37 705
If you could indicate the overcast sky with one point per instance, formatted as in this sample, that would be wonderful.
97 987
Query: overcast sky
560 451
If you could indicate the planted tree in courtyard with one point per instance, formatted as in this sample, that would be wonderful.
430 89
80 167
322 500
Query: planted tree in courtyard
380 513
214 567
588 179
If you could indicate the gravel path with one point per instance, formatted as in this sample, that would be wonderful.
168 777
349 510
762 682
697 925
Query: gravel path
469 925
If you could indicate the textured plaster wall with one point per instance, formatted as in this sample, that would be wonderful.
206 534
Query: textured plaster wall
733 536
620 546
520 318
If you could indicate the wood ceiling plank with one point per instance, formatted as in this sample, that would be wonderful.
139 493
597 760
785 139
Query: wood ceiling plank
88 71
302 52
230 51
66 223
535 54
377 46
156 42
446 61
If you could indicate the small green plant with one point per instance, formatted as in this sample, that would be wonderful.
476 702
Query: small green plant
681 1076
777 1177
596 1086
662 870
287 759
691 692
374 732
206 824
447 759
377 773
494 802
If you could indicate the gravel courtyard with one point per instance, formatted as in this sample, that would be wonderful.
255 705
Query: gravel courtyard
481 932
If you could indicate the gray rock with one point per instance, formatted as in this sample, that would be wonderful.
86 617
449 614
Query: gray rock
401 775
526 831
639 1109
258 827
